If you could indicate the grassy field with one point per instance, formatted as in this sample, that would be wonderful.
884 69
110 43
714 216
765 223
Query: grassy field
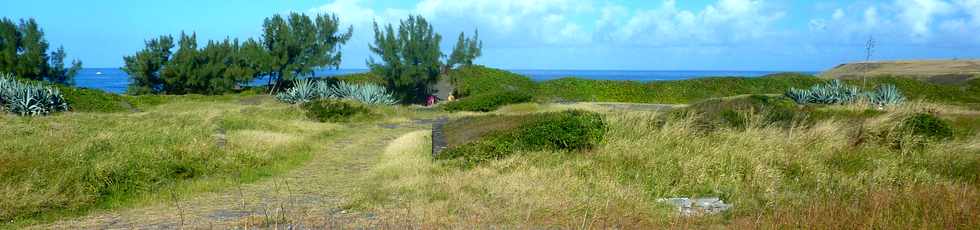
244 160
775 177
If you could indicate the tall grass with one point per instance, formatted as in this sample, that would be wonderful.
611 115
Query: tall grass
832 174
70 163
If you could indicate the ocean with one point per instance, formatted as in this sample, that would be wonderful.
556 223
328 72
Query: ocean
116 81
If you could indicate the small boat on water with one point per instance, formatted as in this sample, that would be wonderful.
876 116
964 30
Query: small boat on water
98 73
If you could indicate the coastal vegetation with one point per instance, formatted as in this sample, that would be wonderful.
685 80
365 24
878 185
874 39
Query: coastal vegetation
24 53
785 150
409 58
29 99
289 48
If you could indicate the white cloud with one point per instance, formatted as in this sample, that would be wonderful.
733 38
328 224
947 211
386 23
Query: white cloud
918 15
838 14
903 22
723 22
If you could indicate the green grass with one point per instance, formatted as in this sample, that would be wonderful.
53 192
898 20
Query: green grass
70 163
813 176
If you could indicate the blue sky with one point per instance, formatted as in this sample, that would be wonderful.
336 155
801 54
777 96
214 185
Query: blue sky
556 34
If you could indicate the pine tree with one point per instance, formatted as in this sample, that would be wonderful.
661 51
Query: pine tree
144 66
300 44
24 52
466 50
32 62
409 58
58 73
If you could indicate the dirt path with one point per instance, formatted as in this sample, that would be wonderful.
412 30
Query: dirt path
312 193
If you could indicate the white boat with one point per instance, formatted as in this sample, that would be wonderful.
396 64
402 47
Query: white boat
98 73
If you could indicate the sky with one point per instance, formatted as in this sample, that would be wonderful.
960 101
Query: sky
765 35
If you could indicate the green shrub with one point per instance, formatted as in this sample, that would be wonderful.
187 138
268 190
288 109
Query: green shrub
93 100
487 102
738 112
361 78
333 110
928 126
668 92
477 80
557 131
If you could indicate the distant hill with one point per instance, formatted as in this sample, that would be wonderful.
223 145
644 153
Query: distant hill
935 71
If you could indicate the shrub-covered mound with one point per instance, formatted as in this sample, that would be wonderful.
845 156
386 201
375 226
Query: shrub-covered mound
93 100
927 126
488 102
556 131
333 110
669 92
477 80
361 78
739 112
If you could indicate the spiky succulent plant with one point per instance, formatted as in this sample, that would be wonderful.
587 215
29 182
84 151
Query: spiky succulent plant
29 99
303 90
834 92
365 93
307 90
886 95
800 96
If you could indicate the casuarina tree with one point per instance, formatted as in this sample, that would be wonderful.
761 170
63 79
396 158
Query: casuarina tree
466 50
24 53
409 57
299 44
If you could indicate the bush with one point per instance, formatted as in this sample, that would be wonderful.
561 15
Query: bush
557 131
737 112
487 102
332 110
668 92
93 100
928 126
30 99
478 80
361 78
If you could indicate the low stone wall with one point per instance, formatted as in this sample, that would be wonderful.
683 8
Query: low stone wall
439 142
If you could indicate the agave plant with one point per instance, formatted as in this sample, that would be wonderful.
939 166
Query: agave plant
30 99
303 90
886 95
365 93
800 96
834 92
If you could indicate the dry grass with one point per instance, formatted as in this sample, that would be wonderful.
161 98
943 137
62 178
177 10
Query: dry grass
774 177
944 71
